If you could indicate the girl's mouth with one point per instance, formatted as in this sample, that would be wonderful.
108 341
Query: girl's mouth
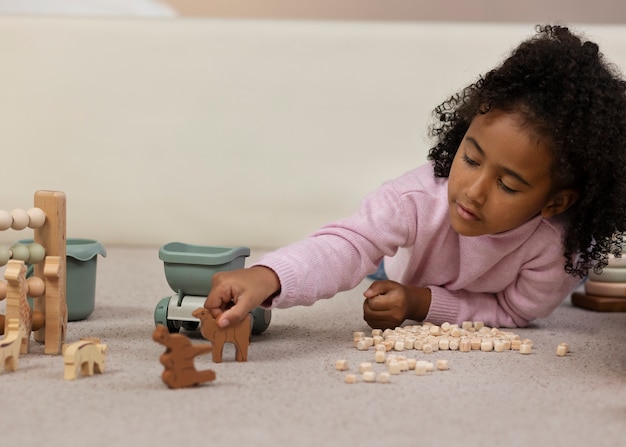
465 213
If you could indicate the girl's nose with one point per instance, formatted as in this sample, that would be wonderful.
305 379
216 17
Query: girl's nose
476 190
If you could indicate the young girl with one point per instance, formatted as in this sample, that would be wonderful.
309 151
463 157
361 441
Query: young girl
525 193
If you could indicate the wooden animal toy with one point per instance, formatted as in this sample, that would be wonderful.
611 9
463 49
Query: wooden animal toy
238 334
87 356
10 345
178 359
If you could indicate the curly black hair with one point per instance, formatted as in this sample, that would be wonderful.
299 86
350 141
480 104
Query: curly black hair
575 102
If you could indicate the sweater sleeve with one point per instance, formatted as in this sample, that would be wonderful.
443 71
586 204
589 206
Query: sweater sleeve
339 255
540 286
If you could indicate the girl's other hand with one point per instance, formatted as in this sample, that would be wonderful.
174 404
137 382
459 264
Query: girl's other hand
388 303
237 292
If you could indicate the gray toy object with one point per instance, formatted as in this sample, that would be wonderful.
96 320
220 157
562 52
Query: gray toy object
189 271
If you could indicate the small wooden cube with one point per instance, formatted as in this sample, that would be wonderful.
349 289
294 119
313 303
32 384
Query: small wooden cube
350 378
394 367
341 365
525 348
365 366
379 356
369 376
443 365
383 377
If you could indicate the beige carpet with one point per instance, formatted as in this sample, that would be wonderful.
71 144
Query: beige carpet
289 393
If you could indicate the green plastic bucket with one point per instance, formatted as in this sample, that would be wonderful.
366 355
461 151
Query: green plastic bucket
81 265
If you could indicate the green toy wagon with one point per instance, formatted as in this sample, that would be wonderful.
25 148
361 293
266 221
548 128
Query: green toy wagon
189 271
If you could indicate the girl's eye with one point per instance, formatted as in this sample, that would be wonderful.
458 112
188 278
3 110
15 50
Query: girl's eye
469 161
505 188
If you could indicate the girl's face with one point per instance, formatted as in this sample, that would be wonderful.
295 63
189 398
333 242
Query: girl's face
500 177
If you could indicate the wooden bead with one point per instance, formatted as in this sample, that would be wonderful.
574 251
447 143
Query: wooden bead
36 253
36 218
36 286
5 255
6 220
20 219
20 252
3 290
38 320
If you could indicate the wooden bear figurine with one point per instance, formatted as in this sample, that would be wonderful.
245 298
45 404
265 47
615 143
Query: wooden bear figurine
178 359
238 334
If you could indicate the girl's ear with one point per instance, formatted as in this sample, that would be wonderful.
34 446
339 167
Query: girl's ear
559 203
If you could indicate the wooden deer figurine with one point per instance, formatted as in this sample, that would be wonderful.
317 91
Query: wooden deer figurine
238 334
178 359
10 345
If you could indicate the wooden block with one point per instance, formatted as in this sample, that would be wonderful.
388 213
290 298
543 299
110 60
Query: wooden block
442 365
350 378
379 356
51 235
365 366
341 365
369 376
600 288
383 377
598 303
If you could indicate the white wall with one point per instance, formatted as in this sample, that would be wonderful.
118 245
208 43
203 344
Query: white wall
226 132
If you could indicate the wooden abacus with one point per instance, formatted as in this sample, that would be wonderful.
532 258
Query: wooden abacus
47 286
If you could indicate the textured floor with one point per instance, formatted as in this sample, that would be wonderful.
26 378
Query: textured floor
289 393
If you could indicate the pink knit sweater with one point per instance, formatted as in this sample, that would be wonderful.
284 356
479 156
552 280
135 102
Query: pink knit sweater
504 280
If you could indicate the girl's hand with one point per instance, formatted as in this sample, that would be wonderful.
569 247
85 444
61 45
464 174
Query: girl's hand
237 292
388 303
